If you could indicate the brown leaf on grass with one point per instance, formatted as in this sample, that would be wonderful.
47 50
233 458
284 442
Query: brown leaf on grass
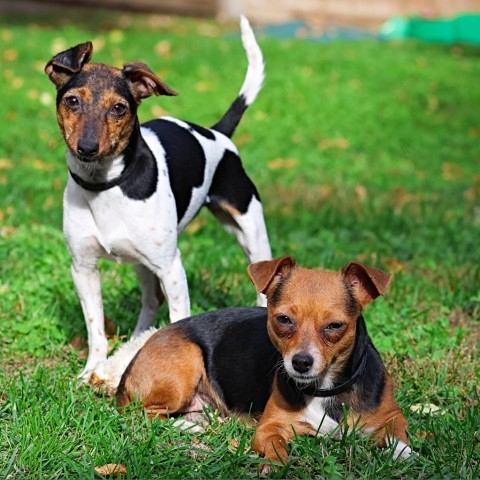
111 469
163 48
473 192
282 163
394 265
327 143
8 231
451 171
19 305
242 139
424 434
202 86
41 165
10 55
6 35
361 192
5 164
194 226
158 111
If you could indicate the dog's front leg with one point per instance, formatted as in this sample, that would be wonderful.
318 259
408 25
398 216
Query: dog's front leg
87 283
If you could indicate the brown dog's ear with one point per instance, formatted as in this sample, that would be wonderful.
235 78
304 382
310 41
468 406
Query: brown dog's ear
66 64
367 282
144 82
264 273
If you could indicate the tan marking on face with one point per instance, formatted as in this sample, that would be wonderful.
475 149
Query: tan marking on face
95 116
313 300
116 130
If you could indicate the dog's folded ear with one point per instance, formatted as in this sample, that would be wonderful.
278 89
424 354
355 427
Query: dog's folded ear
266 273
65 64
367 282
144 82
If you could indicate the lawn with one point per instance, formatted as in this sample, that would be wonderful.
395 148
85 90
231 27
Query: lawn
364 151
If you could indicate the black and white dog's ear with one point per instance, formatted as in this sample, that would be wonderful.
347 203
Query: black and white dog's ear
144 82
66 64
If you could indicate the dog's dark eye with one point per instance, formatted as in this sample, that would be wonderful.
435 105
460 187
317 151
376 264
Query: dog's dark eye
72 102
284 320
334 326
119 109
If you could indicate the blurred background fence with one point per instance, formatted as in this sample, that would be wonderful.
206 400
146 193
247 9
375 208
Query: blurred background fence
359 13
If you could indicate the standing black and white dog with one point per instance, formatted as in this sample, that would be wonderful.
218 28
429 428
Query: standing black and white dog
132 189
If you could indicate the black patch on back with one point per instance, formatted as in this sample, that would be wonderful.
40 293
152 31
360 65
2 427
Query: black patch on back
231 184
142 181
240 359
205 132
228 123
185 160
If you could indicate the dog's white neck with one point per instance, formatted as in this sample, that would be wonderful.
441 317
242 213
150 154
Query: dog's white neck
105 170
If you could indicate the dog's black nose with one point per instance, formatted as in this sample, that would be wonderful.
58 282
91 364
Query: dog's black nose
302 362
87 148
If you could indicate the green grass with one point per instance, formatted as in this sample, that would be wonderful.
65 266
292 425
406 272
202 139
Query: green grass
365 150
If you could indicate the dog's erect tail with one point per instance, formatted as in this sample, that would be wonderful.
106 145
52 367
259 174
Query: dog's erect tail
251 85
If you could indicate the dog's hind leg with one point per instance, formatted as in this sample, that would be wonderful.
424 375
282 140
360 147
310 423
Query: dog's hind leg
152 298
235 202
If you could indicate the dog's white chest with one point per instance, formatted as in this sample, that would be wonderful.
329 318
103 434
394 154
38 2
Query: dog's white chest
112 226
316 415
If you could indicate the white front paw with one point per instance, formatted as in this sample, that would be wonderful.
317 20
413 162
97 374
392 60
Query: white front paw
402 451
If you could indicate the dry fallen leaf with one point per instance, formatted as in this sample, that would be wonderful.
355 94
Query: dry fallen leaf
451 171
203 86
243 139
41 165
111 469
158 111
426 408
194 226
282 163
5 164
361 192
10 55
163 48
333 143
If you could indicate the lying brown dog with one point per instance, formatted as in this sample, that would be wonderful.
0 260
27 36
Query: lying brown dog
299 364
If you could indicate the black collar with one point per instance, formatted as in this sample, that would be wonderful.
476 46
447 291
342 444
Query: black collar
102 186
330 392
